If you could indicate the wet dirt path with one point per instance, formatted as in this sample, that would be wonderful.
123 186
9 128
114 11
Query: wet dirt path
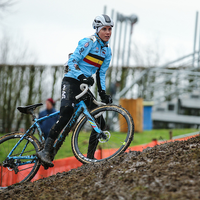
169 171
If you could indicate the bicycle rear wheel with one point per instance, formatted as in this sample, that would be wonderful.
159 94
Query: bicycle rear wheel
117 124
12 169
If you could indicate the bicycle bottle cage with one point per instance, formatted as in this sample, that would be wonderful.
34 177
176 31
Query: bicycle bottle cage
28 109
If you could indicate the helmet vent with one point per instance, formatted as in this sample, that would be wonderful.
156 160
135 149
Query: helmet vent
107 19
97 21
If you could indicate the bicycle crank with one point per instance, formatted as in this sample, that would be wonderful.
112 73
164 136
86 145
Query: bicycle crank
104 136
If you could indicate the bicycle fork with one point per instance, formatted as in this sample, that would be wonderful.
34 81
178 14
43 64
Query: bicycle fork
101 135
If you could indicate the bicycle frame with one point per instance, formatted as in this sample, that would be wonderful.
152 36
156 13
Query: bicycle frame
79 108
40 120
32 129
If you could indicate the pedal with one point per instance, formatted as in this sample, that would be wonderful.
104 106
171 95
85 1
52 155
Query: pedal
46 166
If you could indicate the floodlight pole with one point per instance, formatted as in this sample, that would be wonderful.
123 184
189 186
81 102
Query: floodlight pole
120 18
104 10
129 46
114 39
126 22
112 15
195 37
199 52
133 18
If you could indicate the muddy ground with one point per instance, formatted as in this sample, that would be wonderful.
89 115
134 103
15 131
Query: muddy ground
169 171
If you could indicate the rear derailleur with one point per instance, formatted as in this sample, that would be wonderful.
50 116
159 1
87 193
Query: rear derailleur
10 164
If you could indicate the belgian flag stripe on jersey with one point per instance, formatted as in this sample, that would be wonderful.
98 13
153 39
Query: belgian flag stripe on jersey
93 59
96 56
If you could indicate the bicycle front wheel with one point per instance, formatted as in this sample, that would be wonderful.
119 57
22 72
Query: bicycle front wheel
12 168
116 123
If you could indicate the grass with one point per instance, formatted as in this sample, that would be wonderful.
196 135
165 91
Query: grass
159 134
139 138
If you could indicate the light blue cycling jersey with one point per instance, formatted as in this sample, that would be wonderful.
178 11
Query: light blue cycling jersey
91 55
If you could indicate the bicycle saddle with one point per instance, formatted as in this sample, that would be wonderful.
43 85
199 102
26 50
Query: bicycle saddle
28 109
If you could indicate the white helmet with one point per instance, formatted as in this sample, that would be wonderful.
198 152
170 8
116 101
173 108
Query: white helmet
102 20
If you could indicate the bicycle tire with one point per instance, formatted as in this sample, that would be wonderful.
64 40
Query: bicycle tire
120 137
27 171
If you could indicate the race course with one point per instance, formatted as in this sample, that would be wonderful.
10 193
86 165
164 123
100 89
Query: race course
168 171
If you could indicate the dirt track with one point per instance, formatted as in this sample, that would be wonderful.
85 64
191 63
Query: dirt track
169 171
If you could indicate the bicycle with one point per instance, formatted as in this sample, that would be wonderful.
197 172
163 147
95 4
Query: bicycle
108 126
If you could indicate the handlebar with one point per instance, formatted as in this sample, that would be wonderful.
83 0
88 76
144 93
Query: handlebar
84 87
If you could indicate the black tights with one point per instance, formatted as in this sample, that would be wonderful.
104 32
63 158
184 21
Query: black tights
65 115
69 89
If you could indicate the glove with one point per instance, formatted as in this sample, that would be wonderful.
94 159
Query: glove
84 79
105 97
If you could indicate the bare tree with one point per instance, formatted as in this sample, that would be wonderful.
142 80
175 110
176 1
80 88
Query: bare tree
147 55
14 78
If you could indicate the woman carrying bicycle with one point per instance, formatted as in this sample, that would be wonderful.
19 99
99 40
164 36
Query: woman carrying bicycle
92 56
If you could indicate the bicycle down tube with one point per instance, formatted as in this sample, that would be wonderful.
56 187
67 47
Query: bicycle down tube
81 108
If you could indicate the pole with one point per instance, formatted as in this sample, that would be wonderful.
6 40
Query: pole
104 10
113 51
124 43
118 54
195 36
199 51
129 46
112 15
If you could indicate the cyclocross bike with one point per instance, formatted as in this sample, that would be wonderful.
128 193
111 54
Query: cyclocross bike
113 127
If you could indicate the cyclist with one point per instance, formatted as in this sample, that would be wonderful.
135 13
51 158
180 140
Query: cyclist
92 55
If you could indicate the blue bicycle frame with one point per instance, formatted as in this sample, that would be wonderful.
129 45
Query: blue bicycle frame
79 108
32 129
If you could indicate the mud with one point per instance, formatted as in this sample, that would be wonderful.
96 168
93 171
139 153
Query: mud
169 171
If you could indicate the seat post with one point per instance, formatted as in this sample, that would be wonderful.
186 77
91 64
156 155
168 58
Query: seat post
32 113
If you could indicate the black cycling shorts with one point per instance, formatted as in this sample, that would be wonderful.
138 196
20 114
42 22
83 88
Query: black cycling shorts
69 89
